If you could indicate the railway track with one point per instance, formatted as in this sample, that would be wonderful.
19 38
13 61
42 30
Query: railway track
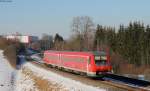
126 82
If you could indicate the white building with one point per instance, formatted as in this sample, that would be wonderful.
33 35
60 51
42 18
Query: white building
22 38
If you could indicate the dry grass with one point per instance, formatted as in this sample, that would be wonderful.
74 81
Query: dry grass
10 54
121 66
133 69
3 43
9 51
43 84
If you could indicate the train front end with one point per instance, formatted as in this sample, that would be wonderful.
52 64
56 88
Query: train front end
100 63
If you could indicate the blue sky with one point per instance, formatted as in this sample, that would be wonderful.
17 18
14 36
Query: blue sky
54 16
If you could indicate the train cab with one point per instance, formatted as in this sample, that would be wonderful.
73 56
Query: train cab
100 63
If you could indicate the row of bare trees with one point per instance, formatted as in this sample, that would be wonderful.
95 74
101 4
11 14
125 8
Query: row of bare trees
83 34
82 37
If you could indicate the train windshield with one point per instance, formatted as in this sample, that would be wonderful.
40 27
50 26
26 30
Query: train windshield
100 60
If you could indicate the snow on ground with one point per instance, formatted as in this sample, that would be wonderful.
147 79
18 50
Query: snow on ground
12 80
24 83
6 74
68 83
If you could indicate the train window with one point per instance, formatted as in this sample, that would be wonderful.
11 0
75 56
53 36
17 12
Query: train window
51 57
75 59
100 60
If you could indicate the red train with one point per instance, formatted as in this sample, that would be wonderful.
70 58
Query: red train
91 63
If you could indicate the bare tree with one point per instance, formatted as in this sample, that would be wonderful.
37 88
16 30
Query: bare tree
46 42
82 26
58 42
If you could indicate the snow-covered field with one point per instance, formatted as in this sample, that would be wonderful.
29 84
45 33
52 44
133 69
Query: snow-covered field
67 83
6 74
24 83
12 80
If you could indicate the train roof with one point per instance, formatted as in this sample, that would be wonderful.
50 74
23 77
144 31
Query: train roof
80 52
99 52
